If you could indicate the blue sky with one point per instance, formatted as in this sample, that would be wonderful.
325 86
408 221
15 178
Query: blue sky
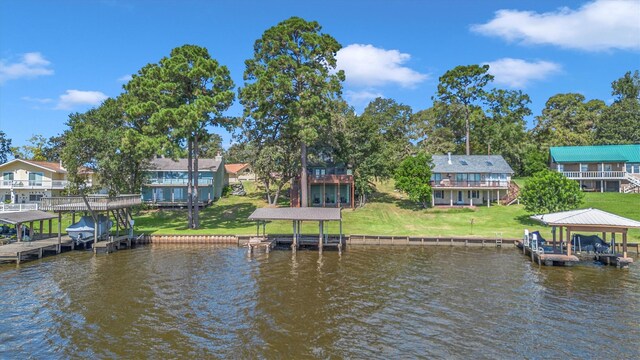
60 57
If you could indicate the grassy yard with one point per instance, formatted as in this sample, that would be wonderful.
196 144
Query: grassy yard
387 213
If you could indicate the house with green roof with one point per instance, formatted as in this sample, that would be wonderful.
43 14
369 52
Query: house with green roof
601 168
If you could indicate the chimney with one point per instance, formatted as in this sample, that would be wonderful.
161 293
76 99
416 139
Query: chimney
61 167
218 156
449 158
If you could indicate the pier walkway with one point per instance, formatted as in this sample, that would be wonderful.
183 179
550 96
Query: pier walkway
19 251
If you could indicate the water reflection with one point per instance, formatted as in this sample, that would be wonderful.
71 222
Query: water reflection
377 302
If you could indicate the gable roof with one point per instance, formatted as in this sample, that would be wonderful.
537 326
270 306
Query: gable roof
595 153
589 216
471 164
308 214
166 164
46 165
235 168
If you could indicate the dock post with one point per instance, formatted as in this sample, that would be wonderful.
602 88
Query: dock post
321 237
624 244
60 231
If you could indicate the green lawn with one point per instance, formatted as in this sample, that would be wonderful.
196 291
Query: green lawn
387 213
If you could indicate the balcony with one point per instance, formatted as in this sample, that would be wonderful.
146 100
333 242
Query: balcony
176 182
449 184
96 202
35 184
330 179
594 175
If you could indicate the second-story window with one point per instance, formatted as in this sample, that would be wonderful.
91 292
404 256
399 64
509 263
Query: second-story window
7 178
35 178
584 167
560 168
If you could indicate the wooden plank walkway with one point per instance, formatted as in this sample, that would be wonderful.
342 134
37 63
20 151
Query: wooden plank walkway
19 251
113 244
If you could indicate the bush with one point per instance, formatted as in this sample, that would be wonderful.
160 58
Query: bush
413 177
550 191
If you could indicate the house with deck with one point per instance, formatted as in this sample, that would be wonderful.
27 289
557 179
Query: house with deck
600 168
328 186
239 172
28 181
166 183
459 180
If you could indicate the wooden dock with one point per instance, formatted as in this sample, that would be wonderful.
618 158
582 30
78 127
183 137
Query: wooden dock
548 259
260 243
114 243
616 260
26 250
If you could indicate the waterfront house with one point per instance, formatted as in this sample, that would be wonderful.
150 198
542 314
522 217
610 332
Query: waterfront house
166 183
471 180
328 186
238 172
601 168
28 181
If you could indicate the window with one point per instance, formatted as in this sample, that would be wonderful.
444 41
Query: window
35 197
461 177
584 167
438 194
436 177
7 197
35 178
473 194
7 178
489 163
463 162
560 168
319 171
608 167
633 168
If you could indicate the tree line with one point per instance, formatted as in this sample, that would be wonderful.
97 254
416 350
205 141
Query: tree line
294 114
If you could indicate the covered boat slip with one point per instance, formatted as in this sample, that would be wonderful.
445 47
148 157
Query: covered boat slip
95 205
29 243
583 220
297 216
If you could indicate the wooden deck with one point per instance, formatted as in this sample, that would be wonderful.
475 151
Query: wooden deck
614 260
113 244
548 259
27 250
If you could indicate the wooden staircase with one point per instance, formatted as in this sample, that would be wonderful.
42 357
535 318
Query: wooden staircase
634 183
512 194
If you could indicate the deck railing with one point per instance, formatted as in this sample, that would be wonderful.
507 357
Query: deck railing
18 207
158 181
97 202
469 184
577 175
330 178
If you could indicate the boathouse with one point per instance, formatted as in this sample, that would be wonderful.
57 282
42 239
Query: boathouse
297 216
588 220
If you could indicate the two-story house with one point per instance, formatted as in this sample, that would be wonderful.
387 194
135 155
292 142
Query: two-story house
328 186
470 179
27 181
166 183
239 172
601 168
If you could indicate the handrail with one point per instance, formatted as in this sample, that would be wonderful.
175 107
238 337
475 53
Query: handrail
446 183
97 202
594 174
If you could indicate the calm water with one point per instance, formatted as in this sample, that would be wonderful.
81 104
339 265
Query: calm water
374 302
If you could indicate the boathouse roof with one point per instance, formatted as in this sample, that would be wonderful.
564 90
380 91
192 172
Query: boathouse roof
301 214
19 217
493 164
587 217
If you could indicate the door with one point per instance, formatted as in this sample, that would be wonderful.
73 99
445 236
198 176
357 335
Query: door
460 197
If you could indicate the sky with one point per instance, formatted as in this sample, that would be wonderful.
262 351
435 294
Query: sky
62 57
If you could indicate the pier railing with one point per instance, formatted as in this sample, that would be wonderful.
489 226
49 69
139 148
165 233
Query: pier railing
18 207
96 202
584 175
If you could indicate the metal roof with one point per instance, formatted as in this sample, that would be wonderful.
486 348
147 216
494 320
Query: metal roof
494 164
305 214
587 217
596 153
26 216
166 164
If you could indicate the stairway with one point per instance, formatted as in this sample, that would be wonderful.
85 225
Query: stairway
512 194
634 183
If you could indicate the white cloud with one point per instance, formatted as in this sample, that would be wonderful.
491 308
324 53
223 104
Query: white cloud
30 65
517 73
596 26
72 98
124 78
361 97
366 65
37 100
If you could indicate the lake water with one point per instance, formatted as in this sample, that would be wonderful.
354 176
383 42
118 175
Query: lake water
372 302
